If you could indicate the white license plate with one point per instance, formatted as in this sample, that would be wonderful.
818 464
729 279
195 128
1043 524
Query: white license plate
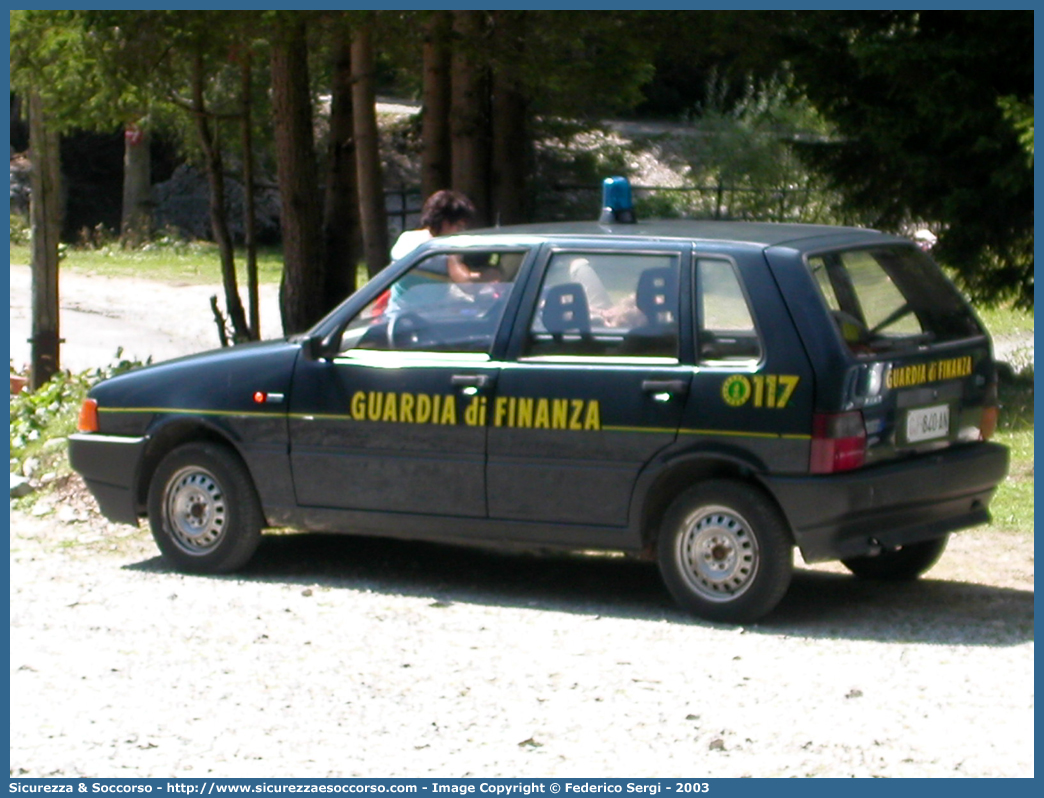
927 423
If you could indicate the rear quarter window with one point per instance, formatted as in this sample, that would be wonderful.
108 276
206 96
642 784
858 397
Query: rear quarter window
726 325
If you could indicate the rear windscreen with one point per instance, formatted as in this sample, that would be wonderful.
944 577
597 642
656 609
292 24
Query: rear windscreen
890 298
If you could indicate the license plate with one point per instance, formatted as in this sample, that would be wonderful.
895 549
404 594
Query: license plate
927 423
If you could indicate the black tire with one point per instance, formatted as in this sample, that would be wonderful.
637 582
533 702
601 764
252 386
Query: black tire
905 563
724 552
203 509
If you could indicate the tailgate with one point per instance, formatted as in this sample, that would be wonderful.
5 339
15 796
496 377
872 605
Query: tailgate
919 363
925 400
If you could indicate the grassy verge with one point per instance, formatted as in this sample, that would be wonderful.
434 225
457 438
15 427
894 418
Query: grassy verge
168 260
1006 320
1012 508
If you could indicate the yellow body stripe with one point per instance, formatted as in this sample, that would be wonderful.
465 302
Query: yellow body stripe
185 411
347 417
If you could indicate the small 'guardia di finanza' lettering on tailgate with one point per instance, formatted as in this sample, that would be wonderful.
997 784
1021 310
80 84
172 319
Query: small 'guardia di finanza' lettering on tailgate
934 371
506 411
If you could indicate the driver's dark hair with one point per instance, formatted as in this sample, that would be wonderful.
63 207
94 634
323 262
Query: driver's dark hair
444 208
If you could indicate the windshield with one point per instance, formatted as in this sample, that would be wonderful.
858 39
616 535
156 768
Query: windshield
889 298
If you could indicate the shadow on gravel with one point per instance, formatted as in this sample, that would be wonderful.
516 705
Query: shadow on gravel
818 604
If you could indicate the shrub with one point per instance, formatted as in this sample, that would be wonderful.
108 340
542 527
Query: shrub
19 229
50 413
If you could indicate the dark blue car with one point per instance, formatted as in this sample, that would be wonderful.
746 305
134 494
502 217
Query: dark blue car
706 394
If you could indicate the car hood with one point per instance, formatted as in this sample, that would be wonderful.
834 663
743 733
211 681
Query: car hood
220 379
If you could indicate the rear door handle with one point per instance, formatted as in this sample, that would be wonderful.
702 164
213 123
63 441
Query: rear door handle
470 380
674 387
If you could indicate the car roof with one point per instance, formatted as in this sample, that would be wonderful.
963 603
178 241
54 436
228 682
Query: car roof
764 234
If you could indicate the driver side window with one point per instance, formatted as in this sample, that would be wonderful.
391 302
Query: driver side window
448 302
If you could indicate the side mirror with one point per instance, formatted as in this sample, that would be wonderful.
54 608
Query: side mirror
318 347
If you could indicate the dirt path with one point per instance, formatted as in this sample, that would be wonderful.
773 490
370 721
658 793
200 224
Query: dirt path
100 314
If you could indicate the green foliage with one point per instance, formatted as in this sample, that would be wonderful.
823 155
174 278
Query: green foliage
582 64
1020 115
934 124
1006 320
929 119
20 235
1012 507
747 139
50 413
741 159
1016 398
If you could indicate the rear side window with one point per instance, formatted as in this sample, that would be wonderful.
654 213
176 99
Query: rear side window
889 298
607 305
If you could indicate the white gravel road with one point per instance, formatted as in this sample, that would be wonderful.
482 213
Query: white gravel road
336 656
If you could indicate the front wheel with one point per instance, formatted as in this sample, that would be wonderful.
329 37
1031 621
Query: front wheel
906 562
724 552
203 510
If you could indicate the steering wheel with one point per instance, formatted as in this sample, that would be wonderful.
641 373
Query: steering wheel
406 331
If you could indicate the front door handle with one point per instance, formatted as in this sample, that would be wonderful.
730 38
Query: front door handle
673 387
469 380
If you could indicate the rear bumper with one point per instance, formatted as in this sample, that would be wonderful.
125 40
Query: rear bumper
109 465
854 514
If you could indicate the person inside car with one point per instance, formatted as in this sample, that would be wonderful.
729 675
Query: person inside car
444 213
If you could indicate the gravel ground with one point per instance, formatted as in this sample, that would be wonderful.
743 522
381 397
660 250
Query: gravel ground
340 656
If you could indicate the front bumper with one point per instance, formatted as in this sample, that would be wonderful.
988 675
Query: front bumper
881 507
109 465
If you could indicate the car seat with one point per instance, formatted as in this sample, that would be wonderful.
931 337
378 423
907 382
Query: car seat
657 298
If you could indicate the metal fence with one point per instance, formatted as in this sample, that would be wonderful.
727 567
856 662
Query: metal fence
403 207
564 202
711 201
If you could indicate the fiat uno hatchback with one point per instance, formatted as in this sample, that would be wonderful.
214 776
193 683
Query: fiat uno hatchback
709 395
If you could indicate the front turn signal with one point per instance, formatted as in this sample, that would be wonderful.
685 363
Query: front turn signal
88 416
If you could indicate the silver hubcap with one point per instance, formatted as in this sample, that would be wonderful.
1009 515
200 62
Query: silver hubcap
717 554
196 511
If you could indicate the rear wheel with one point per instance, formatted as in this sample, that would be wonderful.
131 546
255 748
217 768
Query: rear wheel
203 509
724 552
906 562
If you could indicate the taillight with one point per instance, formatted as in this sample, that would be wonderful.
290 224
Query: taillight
838 442
988 422
990 411
88 416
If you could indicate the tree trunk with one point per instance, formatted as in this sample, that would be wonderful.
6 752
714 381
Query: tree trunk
249 225
218 215
341 209
136 222
511 141
367 153
469 118
45 213
436 156
301 292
